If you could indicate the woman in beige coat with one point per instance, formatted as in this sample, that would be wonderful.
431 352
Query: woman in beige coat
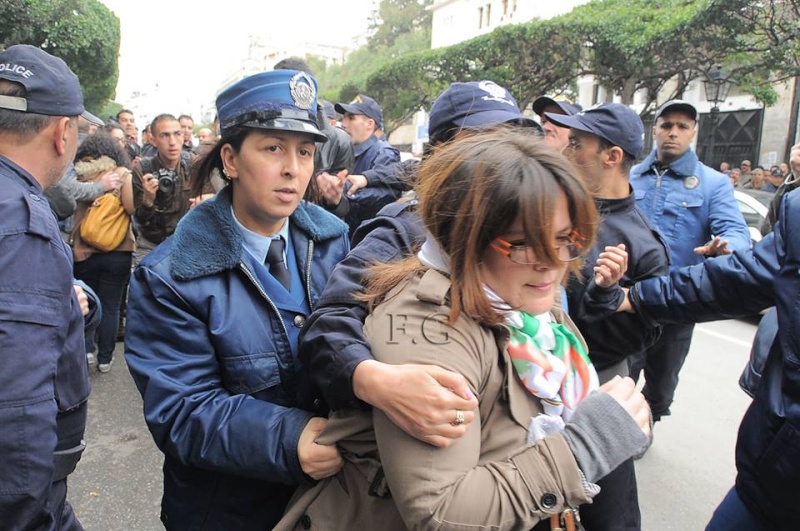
107 273
506 218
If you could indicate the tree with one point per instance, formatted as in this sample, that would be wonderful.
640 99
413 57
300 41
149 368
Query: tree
84 33
628 45
528 59
395 18
348 92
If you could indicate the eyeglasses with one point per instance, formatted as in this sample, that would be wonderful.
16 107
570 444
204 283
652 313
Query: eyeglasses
568 248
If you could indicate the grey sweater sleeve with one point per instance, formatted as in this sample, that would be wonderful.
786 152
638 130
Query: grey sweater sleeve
602 435
80 191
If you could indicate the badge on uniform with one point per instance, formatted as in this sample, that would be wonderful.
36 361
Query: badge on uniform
691 182
302 90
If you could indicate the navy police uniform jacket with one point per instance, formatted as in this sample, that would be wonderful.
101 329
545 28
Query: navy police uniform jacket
768 447
44 381
213 350
333 341
377 160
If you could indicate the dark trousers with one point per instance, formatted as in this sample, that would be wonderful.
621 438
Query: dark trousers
106 274
64 518
733 515
616 508
661 364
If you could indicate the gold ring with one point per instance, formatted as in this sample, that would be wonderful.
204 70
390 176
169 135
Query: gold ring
459 417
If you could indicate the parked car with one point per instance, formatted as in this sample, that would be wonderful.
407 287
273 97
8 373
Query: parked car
754 205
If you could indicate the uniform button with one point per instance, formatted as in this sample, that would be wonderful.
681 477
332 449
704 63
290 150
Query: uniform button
305 521
548 500
299 321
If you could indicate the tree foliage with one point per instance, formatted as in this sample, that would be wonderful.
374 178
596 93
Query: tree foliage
84 33
396 18
628 45
399 28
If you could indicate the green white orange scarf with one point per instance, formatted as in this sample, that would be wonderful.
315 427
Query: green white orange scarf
551 362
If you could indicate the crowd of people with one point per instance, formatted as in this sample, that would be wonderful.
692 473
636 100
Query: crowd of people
327 337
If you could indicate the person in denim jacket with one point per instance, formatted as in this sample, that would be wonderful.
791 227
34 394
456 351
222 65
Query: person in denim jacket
693 206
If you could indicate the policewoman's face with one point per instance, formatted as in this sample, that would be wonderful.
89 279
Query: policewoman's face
269 175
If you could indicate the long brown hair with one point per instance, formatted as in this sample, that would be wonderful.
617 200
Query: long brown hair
471 191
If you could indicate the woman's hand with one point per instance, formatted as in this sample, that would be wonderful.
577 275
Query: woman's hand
624 391
420 399
316 460
611 266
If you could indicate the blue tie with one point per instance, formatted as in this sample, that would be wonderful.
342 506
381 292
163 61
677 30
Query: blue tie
277 266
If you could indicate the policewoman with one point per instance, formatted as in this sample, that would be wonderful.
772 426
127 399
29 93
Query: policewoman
215 312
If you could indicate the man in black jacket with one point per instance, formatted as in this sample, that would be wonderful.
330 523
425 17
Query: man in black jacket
603 143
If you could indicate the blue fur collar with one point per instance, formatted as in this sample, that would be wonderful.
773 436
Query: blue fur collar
207 240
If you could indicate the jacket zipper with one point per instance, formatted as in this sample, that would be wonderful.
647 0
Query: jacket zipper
308 272
263 293
658 186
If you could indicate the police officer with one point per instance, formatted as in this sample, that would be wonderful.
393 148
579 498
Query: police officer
44 381
373 181
555 135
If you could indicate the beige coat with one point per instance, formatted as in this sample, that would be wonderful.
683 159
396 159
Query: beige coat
91 171
490 478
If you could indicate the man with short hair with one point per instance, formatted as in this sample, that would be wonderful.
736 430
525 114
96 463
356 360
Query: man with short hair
604 143
44 381
734 174
148 147
694 208
375 161
757 179
187 127
128 124
204 134
161 187
205 143
554 135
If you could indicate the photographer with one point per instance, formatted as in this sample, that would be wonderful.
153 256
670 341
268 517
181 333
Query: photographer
161 186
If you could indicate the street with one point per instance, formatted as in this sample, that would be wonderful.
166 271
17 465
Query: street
685 474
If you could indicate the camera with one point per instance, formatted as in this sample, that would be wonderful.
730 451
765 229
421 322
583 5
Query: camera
166 180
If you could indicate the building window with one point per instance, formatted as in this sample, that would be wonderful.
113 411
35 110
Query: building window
505 7
488 15
480 17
